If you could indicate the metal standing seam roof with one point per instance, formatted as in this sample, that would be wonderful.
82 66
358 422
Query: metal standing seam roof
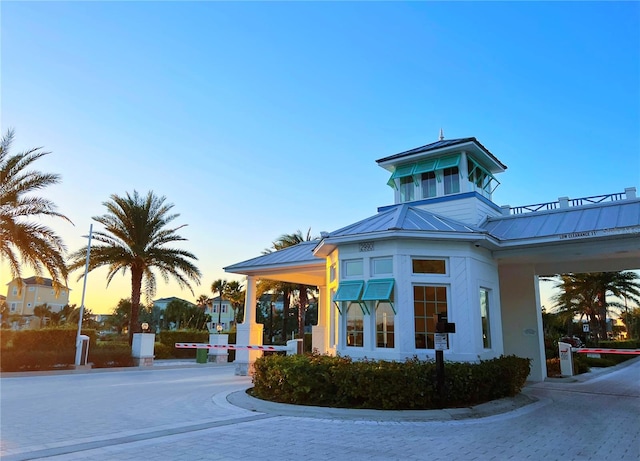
301 253
404 217
589 218
440 145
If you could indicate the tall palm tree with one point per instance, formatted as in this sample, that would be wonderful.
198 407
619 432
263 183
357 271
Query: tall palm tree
135 239
32 244
219 287
235 294
587 295
286 241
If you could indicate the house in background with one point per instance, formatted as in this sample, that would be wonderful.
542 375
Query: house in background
23 295
222 313
162 303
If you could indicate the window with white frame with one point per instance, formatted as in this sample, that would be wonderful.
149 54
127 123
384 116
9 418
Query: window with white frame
15 291
355 326
13 307
428 184
385 325
353 268
407 189
451 180
428 302
428 266
484 317
381 266
32 288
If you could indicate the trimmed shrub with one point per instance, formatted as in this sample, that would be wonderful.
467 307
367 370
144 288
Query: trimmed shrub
110 354
36 360
162 351
323 380
170 338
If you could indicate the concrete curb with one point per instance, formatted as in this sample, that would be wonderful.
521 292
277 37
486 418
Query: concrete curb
242 399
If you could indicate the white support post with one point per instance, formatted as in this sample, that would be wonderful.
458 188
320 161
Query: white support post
248 332
320 332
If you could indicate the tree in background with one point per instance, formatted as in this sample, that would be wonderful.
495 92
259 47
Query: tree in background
235 294
588 295
184 316
32 244
135 239
286 241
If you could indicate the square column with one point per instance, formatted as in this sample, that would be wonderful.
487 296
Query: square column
248 333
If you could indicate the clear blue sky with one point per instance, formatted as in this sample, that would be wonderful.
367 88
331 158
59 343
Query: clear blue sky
258 119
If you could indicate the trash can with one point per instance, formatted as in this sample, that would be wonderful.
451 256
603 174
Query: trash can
201 355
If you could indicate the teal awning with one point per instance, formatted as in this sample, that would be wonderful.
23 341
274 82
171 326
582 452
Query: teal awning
379 290
489 182
401 171
448 162
350 292
425 166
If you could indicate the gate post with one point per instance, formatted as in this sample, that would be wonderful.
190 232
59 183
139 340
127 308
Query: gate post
566 359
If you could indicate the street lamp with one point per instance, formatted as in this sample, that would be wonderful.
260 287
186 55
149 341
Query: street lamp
219 328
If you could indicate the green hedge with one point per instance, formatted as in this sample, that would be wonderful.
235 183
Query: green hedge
36 360
323 380
170 338
110 354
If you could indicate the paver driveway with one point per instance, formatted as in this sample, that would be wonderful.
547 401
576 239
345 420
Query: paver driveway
184 414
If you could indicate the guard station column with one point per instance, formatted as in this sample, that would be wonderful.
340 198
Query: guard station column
248 332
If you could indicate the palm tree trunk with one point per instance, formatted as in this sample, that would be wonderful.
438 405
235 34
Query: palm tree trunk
136 285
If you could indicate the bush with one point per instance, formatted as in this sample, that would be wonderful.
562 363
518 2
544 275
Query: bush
49 338
162 351
323 380
170 338
44 349
36 360
110 354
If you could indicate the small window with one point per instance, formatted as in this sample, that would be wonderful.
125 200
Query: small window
13 307
429 266
332 272
385 326
32 288
428 184
15 291
484 316
353 268
451 180
355 326
407 189
381 266
28 304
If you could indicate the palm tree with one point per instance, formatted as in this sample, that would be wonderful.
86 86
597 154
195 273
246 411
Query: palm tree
219 287
42 311
135 239
202 301
586 295
286 241
235 294
33 244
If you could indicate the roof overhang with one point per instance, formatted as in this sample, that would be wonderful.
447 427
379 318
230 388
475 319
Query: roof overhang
469 145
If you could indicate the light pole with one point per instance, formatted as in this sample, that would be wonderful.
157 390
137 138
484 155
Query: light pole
84 289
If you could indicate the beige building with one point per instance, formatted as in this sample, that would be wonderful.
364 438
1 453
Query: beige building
23 295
